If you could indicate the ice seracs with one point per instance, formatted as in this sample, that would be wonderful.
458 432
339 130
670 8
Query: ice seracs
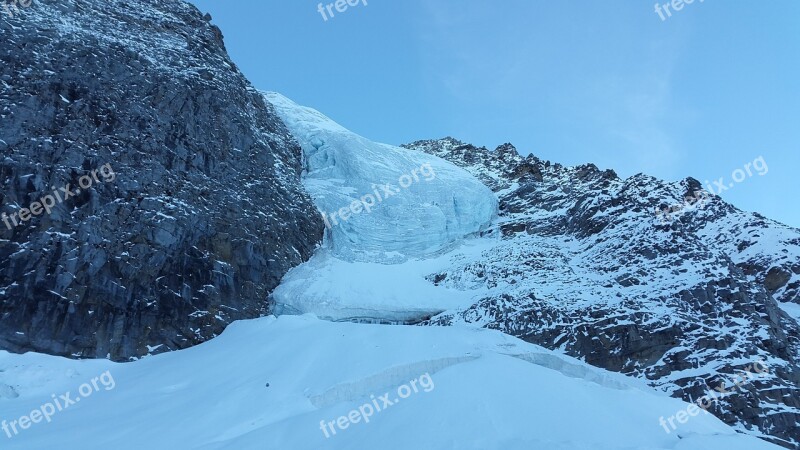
391 213
433 202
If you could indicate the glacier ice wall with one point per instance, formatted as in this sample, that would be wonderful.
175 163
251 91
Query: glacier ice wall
422 203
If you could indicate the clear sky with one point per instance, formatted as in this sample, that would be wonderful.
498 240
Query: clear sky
702 93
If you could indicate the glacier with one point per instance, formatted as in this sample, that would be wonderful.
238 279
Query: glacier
372 266
428 215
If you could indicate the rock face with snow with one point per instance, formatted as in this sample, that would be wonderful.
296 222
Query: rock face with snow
585 266
204 213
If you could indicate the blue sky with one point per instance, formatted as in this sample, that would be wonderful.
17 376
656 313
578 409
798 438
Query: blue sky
701 94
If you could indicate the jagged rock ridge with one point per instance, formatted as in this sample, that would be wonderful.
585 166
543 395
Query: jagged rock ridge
586 266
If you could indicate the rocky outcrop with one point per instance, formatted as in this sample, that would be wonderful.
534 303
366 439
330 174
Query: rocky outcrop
193 209
585 266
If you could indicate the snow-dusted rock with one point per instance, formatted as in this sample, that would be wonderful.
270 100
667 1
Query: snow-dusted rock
205 212
586 266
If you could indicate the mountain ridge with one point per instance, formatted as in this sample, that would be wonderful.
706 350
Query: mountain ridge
586 267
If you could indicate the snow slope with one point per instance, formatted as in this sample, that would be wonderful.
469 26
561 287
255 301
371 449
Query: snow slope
336 289
792 309
487 391
374 263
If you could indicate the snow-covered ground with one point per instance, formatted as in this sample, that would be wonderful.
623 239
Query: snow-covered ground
374 263
337 289
484 390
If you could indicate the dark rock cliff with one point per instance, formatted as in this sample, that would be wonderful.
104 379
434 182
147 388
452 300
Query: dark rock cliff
204 211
